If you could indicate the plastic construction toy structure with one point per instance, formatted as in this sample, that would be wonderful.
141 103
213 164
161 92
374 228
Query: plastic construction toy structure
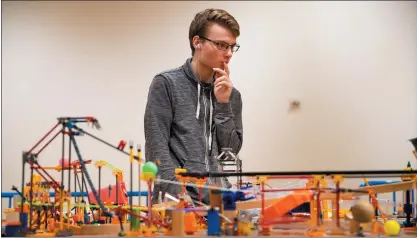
251 207
56 222
317 221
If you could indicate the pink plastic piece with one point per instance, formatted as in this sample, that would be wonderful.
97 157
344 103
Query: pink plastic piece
66 163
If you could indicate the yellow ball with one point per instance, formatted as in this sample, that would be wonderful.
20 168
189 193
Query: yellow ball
392 228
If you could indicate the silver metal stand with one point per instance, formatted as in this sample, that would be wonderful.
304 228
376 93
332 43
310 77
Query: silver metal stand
228 159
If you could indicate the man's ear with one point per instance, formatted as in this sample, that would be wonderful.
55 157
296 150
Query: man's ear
196 42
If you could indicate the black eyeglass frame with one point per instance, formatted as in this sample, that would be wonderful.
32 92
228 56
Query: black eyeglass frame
222 45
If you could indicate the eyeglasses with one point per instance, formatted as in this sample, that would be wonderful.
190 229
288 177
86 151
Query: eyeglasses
223 46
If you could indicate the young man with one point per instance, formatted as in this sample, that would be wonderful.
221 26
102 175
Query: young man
194 111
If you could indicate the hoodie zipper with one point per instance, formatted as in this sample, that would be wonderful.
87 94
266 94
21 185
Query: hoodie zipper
205 130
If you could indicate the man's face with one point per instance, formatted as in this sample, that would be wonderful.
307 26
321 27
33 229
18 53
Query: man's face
210 52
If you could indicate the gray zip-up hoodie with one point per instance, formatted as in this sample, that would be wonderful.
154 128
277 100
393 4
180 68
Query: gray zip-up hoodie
185 127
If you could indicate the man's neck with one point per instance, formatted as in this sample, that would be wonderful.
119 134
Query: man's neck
204 74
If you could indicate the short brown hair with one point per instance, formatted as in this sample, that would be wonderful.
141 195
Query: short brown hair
211 15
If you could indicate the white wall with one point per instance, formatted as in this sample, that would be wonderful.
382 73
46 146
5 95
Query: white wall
352 65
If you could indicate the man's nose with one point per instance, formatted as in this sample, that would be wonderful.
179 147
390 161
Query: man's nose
229 52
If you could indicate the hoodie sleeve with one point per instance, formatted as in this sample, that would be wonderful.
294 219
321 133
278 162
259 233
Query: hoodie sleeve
228 122
158 120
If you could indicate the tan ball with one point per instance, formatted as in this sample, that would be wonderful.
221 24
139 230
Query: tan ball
363 212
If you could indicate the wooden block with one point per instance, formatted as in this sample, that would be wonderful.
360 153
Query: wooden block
103 230
76 230
12 217
177 225
231 214
215 198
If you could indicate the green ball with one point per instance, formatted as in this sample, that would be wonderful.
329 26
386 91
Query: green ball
150 168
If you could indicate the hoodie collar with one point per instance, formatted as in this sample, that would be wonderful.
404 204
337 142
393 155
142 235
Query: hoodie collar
188 69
